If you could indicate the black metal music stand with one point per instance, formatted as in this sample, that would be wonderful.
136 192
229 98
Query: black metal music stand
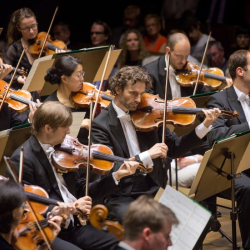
224 162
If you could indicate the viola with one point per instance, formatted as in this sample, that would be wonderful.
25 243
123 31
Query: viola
97 218
71 155
82 98
50 45
180 112
212 77
18 100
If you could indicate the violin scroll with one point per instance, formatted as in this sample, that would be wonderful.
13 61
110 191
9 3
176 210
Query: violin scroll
229 115
97 218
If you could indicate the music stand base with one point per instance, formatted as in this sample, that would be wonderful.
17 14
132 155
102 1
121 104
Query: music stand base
223 234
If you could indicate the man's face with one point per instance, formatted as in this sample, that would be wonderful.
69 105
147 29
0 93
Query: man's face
130 21
161 240
215 56
97 35
130 97
57 135
243 41
180 54
153 28
60 34
194 35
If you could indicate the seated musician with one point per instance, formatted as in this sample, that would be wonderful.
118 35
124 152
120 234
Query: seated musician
12 200
113 127
50 125
236 98
147 225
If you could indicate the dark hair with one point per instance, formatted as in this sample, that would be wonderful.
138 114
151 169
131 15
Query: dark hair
64 65
240 30
107 29
216 43
146 212
189 21
63 25
132 74
12 196
13 34
237 59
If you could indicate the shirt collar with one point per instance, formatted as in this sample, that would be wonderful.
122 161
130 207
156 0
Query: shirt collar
240 95
45 147
125 245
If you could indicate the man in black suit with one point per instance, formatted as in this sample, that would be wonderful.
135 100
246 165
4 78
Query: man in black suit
50 124
147 225
113 127
236 98
179 46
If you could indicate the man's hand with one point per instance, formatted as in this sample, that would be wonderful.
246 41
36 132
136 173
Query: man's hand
61 209
127 168
84 204
158 150
85 123
5 69
21 79
54 224
33 109
211 116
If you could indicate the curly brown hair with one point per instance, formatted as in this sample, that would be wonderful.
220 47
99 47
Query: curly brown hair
129 75
125 55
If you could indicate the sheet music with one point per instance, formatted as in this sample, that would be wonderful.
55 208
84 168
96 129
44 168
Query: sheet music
192 219
76 124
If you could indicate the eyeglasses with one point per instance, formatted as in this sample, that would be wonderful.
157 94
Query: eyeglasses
81 75
33 27
24 205
96 32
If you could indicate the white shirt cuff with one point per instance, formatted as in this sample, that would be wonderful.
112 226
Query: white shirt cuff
116 181
249 124
146 159
201 130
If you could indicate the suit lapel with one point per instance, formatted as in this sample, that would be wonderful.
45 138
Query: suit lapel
42 158
233 102
117 131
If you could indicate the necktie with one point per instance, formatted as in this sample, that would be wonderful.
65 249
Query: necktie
244 98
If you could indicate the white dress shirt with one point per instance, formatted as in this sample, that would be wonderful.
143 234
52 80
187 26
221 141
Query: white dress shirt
244 101
66 195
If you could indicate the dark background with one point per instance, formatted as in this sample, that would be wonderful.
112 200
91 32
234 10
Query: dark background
81 14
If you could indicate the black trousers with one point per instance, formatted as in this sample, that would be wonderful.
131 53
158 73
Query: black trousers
60 244
89 238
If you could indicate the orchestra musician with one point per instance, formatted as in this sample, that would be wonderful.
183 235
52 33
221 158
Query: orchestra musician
236 97
50 125
147 225
113 127
12 200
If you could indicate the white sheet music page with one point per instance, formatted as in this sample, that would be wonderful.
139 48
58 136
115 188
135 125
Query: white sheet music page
192 218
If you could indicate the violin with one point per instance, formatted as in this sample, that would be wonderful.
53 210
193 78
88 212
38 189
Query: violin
50 45
180 112
71 155
22 72
82 98
212 77
17 100
97 218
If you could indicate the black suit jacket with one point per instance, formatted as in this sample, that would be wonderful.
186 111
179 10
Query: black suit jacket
157 71
226 100
37 170
107 130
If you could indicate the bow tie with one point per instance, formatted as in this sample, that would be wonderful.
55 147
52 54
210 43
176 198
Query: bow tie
244 98
49 152
125 117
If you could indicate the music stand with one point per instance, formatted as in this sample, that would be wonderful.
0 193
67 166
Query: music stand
224 162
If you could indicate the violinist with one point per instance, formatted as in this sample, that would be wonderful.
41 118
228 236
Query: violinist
113 127
50 125
68 74
12 200
22 27
236 97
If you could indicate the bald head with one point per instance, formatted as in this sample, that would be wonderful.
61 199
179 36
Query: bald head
179 46
177 38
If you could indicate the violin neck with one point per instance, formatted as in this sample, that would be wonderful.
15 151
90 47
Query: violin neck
21 99
41 199
185 110
214 76
108 157
107 97
52 47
